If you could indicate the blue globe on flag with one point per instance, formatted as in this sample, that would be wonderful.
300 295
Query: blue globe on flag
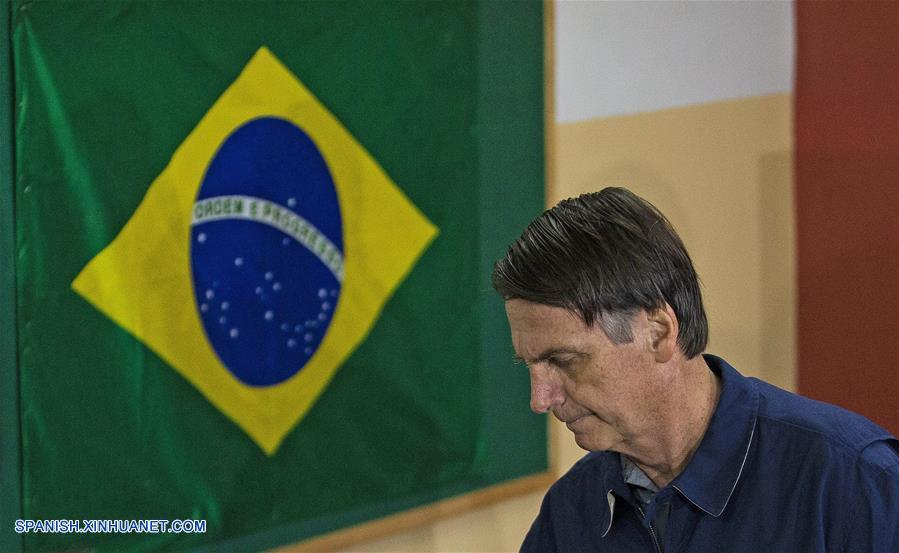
266 251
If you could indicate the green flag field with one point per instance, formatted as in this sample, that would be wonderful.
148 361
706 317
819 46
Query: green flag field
245 255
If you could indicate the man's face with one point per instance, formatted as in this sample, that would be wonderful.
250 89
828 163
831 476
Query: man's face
602 391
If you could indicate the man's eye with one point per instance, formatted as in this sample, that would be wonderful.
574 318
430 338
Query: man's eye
561 363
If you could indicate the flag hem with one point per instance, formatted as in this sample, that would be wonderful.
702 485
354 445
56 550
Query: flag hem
10 438
359 526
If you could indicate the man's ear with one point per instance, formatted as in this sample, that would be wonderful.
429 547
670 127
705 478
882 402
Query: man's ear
661 338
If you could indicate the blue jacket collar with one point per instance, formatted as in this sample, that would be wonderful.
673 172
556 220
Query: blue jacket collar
613 487
715 469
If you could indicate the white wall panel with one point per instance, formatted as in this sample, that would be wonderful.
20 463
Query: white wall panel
622 57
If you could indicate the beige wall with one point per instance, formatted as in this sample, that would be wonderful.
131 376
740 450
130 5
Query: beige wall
722 173
499 527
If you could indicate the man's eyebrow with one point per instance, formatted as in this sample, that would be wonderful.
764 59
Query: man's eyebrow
551 352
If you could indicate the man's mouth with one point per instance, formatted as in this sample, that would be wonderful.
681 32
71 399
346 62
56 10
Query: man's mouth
574 421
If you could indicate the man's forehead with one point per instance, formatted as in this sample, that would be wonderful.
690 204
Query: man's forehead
540 331
527 312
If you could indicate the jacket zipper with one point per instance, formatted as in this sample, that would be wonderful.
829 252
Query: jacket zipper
652 534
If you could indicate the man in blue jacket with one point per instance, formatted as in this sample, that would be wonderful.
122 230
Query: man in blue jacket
687 454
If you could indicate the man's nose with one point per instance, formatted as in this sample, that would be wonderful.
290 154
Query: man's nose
546 390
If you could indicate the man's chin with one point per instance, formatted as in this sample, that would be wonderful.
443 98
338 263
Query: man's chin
591 442
585 442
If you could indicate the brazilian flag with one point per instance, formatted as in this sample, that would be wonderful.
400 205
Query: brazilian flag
246 250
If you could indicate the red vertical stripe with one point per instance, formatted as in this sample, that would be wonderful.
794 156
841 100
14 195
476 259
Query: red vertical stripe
847 198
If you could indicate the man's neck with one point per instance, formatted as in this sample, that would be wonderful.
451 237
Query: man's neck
688 408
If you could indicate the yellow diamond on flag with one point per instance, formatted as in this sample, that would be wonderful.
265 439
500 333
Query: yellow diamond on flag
262 255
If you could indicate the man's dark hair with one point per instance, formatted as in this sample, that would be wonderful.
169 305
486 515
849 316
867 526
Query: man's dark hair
605 256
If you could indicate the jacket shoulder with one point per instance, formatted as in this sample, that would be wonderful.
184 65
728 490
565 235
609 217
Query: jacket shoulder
827 424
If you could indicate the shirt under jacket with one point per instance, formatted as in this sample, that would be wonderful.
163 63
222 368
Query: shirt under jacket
774 472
